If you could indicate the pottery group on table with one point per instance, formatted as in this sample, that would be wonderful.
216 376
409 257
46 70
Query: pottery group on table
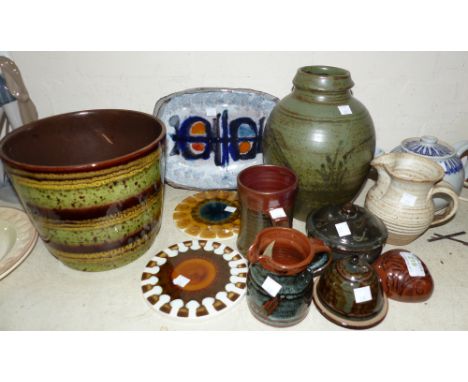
92 182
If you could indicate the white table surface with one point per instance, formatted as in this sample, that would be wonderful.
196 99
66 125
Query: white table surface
44 294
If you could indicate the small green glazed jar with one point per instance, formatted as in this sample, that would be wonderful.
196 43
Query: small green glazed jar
324 134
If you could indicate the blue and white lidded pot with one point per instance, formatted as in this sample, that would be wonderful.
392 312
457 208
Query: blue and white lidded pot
446 155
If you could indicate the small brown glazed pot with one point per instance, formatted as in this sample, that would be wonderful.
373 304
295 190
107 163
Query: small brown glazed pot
404 276
349 294
263 190
91 182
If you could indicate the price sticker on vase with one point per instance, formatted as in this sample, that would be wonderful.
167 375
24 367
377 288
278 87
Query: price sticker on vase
271 286
345 110
363 294
414 265
277 213
343 229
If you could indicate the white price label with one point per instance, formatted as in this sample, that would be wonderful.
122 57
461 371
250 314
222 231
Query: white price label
230 209
181 281
345 109
271 286
362 294
277 213
408 199
414 265
343 229
211 112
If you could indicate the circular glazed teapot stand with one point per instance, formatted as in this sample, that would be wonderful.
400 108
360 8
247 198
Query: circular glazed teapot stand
209 215
194 279
346 322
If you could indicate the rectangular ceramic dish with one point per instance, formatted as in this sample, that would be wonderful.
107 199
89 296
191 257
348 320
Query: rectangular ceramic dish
212 134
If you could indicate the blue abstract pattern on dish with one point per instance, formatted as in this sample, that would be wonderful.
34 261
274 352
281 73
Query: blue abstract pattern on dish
212 135
197 138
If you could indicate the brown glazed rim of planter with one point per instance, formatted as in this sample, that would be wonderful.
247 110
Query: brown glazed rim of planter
289 188
391 168
92 166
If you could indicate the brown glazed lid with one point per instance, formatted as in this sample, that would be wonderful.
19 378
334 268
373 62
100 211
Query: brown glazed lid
82 141
367 230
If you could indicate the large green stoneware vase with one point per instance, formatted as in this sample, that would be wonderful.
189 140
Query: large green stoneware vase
324 134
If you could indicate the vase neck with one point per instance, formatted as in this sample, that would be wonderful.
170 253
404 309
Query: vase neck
323 84
321 96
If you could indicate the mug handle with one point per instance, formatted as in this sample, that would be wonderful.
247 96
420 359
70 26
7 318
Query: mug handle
278 217
439 189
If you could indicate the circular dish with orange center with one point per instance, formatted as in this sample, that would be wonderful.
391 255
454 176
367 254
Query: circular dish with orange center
209 215
194 279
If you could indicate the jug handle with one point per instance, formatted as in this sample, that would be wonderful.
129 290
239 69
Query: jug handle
461 148
440 189
319 247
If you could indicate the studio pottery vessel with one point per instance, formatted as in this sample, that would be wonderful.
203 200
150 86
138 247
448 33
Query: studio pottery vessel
281 272
91 182
402 196
404 276
324 134
266 196
349 294
348 229
448 157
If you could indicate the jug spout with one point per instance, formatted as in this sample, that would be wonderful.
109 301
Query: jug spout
384 179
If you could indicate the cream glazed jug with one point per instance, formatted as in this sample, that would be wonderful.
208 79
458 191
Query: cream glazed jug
447 156
403 195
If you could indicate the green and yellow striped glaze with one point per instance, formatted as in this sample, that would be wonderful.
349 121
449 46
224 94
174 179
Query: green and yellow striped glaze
96 220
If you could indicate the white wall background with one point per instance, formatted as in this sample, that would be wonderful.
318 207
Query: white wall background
407 93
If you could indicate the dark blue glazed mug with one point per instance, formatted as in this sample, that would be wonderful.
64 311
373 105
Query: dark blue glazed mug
283 263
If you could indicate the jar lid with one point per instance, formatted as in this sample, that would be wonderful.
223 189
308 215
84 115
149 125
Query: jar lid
347 227
427 145
355 270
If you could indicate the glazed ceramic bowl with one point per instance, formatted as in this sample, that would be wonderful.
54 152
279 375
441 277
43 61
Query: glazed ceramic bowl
349 294
348 229
91 181
404 276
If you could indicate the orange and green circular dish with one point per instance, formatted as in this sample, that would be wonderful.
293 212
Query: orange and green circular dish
209 215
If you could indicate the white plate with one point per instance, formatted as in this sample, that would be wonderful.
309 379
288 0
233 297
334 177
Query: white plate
17 239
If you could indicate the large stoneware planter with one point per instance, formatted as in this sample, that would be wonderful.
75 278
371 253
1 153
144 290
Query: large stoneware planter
324 134
91 182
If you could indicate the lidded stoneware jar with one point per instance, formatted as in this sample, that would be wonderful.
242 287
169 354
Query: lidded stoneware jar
324 134
445 155
348 229
349 294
